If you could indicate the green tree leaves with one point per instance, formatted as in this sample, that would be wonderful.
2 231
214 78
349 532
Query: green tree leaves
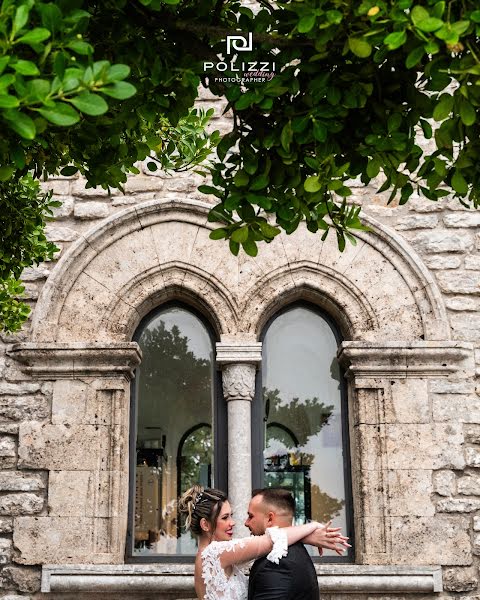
356 88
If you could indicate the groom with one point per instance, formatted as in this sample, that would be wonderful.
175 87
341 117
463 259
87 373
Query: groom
294 578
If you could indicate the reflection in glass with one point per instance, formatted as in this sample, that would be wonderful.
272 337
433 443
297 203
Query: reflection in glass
303 446
174 427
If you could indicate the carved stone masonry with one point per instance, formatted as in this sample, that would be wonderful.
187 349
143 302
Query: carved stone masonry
396 445
84 450
238 382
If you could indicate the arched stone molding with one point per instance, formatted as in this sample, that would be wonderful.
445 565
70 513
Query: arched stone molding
318 284
376 290
179 281
111 277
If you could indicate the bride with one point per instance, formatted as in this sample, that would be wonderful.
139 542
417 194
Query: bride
217 576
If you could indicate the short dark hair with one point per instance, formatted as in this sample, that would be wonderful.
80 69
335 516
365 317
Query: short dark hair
281 498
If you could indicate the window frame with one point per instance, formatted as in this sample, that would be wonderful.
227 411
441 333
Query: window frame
257 427
220 440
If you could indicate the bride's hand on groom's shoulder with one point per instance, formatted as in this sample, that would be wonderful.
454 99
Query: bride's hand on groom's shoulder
328 537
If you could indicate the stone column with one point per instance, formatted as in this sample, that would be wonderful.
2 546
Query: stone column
239 364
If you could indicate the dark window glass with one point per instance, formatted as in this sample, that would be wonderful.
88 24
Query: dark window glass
303 439
174 427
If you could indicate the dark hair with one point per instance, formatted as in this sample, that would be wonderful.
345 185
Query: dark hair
201 503
279 497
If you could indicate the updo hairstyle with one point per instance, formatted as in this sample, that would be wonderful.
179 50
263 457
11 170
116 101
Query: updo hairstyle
201 503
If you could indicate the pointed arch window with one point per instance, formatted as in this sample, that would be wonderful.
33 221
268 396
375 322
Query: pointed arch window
177 424
299 425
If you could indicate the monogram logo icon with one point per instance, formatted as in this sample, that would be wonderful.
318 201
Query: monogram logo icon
239 43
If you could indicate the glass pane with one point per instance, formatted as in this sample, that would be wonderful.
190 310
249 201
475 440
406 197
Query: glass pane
303 415
174 427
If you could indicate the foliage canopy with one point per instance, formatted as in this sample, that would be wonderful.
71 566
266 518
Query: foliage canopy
98 86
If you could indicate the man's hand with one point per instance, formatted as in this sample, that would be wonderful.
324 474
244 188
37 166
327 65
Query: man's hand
329 538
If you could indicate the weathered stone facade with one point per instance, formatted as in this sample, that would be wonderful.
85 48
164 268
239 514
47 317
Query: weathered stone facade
406 299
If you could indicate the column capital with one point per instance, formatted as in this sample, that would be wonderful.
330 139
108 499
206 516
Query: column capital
238 352
238 382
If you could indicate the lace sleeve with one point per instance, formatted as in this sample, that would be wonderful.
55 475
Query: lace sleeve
216 582
280 544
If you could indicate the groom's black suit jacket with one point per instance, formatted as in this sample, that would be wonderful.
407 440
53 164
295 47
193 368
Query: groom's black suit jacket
294 578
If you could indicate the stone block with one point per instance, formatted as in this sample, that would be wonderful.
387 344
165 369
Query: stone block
58 186
472 457
90 210
417 222
472 262
68 401
35 273
464 219
5 551
65 210
460 282
423 205
56 233
431 447
444 483
53 540
433 242
9 428
84 494
472 434
477 241
438 540
57 447
476 544
456 505
21 504
463 303
446 386
16 597
408 402
456 407
469 484
71 494
466 326
6 524
78 189
409 493
460 579
442 262
24 408
15 481
8 446
12 389
476 523
141 184
24 579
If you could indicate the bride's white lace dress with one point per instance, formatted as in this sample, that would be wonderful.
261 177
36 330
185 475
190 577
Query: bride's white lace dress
218 585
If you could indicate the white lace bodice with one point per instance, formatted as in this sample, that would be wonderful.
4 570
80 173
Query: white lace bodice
220 587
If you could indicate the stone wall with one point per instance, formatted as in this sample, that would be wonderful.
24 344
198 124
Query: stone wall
415 431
